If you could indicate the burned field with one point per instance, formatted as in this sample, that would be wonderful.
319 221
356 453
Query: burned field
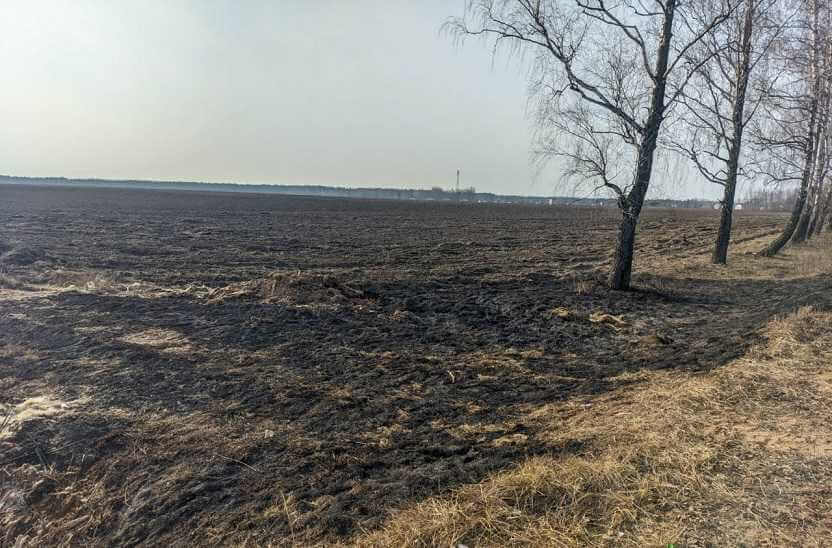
197 368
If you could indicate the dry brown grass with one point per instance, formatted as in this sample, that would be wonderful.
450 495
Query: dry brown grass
545 501
793 262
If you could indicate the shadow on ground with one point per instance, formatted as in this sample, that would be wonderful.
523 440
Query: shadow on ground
319 416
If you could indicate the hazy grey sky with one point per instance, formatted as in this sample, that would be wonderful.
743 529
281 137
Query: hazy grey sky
337 92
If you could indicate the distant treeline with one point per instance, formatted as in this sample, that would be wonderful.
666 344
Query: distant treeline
771 199
433 194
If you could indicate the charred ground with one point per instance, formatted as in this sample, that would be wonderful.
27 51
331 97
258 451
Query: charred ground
189 367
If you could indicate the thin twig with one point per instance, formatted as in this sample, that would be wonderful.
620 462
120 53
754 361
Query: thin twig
237 461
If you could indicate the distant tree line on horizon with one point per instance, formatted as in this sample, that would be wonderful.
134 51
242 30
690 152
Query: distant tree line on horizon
771 199
435 193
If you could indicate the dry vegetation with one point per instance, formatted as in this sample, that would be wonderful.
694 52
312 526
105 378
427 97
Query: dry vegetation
238 370
736 457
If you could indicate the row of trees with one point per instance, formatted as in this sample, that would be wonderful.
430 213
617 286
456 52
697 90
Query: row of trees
770 198
740 88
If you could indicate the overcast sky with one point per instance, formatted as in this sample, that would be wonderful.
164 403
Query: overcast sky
334 92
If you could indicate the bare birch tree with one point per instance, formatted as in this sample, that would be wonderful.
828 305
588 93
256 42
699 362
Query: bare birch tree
794 120
820 169
605 74
714 117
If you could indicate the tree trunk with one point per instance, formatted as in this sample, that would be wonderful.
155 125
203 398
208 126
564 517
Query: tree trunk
824 211
622 263
813 225
786 235
819 211
820 203
801 231
723 236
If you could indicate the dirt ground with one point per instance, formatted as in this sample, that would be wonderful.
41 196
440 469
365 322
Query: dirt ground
198 368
